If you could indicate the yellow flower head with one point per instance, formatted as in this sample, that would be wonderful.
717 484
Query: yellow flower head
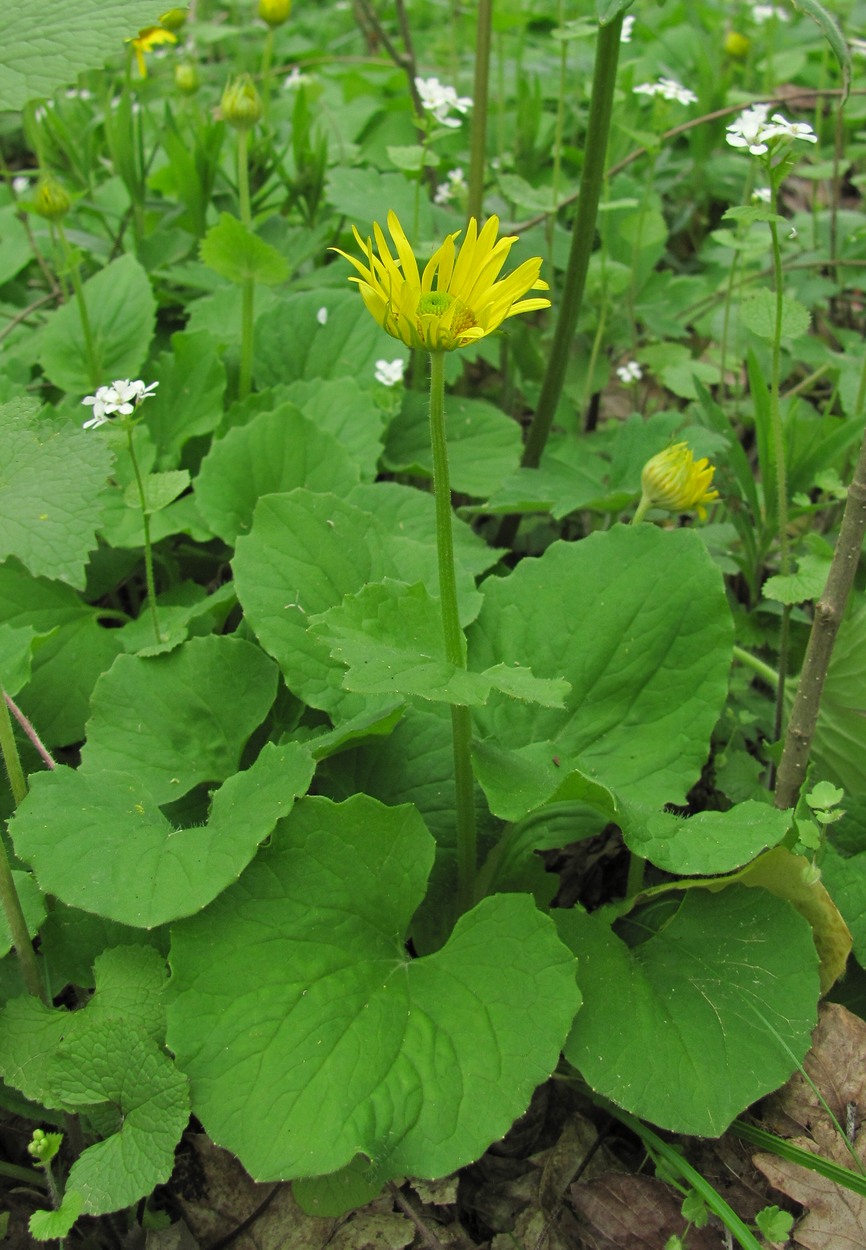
148 39
674 480
457 299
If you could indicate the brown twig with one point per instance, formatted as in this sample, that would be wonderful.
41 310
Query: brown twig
31 733
829 611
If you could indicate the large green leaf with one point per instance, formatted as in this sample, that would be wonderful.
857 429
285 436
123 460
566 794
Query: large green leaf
275 451
100 842
696 1008
357 1048
708 843
189 399
342 408
390 637
121 309
344 341
180 719
51 479
304 553
637 621
46 45
234 252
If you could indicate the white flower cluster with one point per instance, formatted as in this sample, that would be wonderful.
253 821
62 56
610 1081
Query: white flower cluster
121 398
390 372
441 101
752 130
768 12
627 28
629 373
669 88
454 184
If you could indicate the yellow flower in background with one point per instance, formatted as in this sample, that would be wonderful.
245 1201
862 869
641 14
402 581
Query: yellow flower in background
148 39
275 12
459 297
674 480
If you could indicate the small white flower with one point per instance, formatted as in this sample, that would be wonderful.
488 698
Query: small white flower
766 12
322 316
295 78
122 397
441 100
792 233
629 373
20 185
454 184
627 28
390 372
781 128
669 89
748 130
761 195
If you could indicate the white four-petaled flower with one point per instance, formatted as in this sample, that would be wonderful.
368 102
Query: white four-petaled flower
441 100
629 373
669 89
752 130
390 372
120 399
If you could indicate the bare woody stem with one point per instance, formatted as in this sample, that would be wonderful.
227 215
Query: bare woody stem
829 611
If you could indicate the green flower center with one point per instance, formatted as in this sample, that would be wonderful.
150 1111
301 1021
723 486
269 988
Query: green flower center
435 303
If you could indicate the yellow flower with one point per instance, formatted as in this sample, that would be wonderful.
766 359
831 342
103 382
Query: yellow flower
457 299
148 39
674 480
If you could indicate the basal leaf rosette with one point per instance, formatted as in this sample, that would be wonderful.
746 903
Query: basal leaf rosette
457 299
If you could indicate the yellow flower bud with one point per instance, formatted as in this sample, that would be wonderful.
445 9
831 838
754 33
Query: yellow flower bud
275 12
186 77
51 200
675 481
736 44
241 105
173 19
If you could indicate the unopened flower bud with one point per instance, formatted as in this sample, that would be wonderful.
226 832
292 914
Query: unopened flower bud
173 19
186 77
275 12
51 200
675 481
736 44
241 105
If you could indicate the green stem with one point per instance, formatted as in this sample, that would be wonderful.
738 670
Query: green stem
267 60
455 643
148 549
480 94
767 674
75 277
248 289
9 750
582 239
9 899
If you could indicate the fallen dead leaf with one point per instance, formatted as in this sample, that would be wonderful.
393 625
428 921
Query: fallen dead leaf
620 1212
835 1217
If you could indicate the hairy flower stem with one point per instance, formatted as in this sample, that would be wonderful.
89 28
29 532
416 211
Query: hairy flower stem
829 611
248 289
148 549
778 437
582 239
480 97
9 899
455 643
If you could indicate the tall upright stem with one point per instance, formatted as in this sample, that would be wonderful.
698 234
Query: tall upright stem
148 549
81 304
455 643
778 436
583 234
248 288
480 95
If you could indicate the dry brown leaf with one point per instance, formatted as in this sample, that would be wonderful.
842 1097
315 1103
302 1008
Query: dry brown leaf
835 1217
634 1213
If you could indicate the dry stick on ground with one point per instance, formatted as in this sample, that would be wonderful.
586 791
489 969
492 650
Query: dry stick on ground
829 611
